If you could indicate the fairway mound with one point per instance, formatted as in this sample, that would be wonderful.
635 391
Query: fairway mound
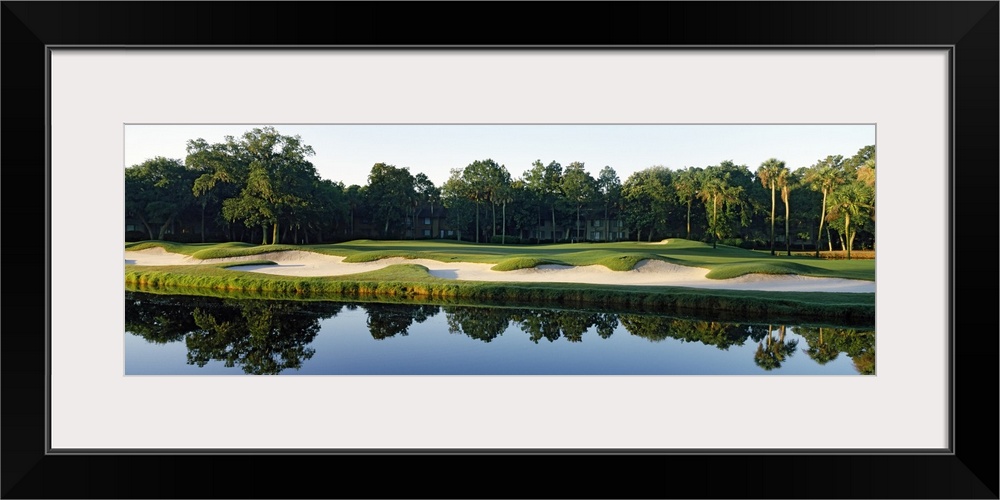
646 272
664 267
280 257
156 256
796 283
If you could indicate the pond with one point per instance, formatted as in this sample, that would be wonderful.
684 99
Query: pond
191 335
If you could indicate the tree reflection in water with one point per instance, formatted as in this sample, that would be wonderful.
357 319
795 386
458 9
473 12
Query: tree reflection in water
272 336
262 337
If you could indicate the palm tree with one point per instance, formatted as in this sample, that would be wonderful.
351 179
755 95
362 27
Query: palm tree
504 194
819 351
849 201
866 175
715 189
764 355
686 187
786 182
770 355
823 177
768 173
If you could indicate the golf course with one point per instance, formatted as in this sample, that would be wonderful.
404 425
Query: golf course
674 275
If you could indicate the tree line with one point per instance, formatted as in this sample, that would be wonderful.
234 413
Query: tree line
261 187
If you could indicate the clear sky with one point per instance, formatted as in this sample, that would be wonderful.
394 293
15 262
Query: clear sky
347 152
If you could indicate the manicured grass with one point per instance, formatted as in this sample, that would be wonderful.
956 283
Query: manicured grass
724 261
736 269
183 248
414 281
411 281
515 263
626 262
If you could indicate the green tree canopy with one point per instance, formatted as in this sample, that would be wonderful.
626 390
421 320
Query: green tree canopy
545 182
157 191
579 188
278 180
389 195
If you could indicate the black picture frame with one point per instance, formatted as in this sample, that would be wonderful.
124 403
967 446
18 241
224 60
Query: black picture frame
969 471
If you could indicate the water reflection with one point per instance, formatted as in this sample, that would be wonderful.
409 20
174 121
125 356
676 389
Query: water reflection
275 336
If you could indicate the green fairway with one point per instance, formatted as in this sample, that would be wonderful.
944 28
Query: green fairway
723 262
412 281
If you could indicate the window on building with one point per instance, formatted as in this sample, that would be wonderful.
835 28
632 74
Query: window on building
597 223
596 235
427 221
451 232
427 232
130 227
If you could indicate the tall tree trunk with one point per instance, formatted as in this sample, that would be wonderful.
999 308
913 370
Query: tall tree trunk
503 224
274 237
163 228
149 230
203 203
263 231
553 223
788 241
822 217
577 223
847 229
715 221
607 225
689 220
772 218
494 218
477 221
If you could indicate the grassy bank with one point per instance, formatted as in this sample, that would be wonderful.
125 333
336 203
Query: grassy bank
413 282
723 316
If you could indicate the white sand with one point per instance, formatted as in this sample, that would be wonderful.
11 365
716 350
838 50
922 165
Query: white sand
647 272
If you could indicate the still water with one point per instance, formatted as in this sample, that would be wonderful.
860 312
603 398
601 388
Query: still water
185 335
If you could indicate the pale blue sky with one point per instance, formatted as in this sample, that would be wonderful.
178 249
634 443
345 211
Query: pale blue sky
347 152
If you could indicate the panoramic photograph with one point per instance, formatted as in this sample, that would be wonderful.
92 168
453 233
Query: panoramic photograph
468 249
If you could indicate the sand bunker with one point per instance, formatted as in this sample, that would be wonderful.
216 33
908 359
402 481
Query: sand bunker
647 272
